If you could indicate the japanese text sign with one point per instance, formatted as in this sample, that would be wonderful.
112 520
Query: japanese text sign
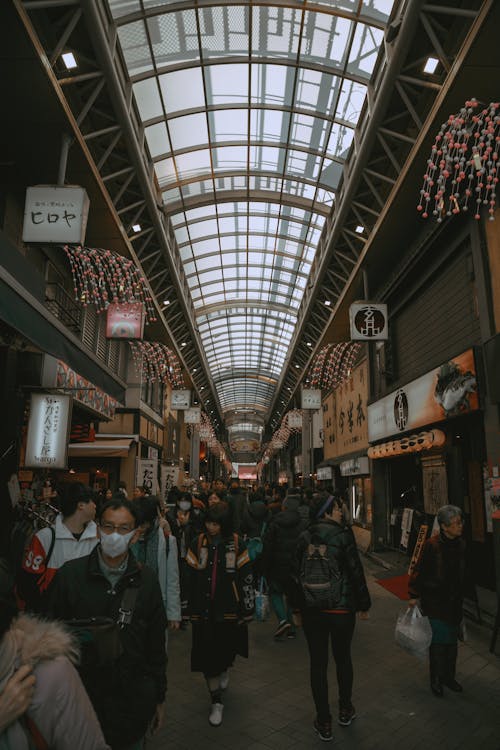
48 431
55 214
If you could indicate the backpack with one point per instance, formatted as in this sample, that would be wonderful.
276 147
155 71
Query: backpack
319 576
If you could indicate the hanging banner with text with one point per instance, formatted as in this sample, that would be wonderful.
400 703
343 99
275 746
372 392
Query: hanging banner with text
48 431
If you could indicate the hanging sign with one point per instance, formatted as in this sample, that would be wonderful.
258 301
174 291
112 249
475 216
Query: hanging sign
311 398
368 321
180 399
193 415
295 420
125 320
48 431
54 214
147 474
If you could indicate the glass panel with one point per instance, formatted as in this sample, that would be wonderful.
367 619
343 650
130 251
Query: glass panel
227 84
148 99
174 38
224 31
187 132
182 89
325 39
135 48
364 51
275 31
157 138
229 158
269 125
351 100
123 7
229 125
272 84
192 164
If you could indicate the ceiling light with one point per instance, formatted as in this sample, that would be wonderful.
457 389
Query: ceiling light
327 302
359 229
298 367
308 343
136 228
166 301
183 343
431 65
69 60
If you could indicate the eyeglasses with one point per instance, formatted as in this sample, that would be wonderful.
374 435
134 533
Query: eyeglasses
108 528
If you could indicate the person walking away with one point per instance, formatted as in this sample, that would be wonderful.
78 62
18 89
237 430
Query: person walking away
73 535
237 501
280 542
41 695
220 602
330 619
185 528
157 548
439 581
126 680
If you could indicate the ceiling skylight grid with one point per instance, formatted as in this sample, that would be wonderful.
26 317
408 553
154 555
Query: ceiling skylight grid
249 113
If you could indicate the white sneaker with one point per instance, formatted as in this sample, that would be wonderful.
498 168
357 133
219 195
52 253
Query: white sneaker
215 715
224 680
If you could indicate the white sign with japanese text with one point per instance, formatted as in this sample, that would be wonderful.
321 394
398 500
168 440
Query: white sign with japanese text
193 415
55 214
48 431
147 474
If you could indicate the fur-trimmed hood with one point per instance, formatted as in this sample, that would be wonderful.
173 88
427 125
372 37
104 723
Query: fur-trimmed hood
39 640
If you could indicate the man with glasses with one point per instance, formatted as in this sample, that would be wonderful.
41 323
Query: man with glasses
127 691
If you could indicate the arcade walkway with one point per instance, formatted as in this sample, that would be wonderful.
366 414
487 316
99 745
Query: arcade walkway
268 703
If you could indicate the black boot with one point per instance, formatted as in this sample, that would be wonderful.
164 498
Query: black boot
436 664
451 665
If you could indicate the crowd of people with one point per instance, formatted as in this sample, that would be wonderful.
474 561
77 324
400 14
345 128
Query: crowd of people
114 574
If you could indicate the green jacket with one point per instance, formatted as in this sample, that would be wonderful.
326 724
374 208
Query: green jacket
137 679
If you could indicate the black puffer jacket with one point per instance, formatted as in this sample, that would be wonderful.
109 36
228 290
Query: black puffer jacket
254 516
354 596
125 692
280 542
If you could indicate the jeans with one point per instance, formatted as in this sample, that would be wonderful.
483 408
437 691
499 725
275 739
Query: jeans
279 603
319 629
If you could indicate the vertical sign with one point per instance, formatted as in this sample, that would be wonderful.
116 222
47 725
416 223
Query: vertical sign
48 431
147 474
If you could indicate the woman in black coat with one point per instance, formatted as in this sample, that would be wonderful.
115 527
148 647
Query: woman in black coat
439 581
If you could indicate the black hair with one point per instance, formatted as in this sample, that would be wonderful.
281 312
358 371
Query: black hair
148 508
72 493
122 502
220 513
323 503
8 609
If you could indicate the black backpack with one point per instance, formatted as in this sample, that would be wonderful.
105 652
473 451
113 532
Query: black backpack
319 576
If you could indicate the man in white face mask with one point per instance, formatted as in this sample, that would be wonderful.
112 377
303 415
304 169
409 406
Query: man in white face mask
127 689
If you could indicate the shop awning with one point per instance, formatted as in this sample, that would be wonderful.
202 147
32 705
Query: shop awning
109 448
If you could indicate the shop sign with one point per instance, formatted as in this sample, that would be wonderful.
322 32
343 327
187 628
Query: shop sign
55 214
180 399
295 420
368 321
324 472
125 320
147 474
48 431
351 427
247 472
311 398
447 391
84 391
193 415
355 466
169 476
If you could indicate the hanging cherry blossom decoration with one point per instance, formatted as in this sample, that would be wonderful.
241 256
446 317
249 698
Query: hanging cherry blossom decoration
462 170
156 361
101 277
333 364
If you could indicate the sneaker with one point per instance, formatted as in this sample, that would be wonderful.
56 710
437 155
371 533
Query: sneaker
215 715
346 715
324 730
282 628
291 634
224 680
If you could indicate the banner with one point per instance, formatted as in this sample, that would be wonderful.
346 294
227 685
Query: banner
125 320
147 474
48 431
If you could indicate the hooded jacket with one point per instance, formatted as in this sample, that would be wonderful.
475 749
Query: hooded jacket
280 541
60 707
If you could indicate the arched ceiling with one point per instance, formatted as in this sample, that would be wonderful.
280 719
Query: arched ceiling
249 111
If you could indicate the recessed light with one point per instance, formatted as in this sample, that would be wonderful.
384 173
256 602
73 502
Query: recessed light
327 302
69 60
431 65
308 343
183 343
359 229
136 228
166 302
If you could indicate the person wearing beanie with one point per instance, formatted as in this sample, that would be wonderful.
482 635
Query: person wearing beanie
220 603
185 527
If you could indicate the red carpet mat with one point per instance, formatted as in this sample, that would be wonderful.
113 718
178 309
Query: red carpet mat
397 585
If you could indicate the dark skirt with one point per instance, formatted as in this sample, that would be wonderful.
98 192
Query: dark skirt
215 645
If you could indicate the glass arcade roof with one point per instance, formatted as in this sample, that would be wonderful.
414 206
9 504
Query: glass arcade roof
249 113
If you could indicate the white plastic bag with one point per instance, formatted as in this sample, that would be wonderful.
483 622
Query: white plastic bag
413 632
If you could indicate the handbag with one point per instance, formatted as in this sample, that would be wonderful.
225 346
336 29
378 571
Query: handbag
99 637
262 609
413 632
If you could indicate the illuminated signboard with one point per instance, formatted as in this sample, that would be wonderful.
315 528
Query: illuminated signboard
48 431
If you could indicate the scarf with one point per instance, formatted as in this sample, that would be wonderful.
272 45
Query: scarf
152 551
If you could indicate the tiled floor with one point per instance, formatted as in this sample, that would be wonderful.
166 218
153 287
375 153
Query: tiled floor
268 702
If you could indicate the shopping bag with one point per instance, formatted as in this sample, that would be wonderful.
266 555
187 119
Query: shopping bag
262 610
413 632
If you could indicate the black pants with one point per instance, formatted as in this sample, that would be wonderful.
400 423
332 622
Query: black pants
319 629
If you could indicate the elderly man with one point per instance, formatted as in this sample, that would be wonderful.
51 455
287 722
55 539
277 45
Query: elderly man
125 677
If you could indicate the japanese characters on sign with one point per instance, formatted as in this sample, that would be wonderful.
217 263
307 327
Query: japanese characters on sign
147 474
351 434
55 214
368 321
48 431
193 415
125 320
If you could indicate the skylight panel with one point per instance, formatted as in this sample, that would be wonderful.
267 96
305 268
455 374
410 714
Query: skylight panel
188 132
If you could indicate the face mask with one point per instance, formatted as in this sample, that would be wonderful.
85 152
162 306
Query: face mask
184 505
114 545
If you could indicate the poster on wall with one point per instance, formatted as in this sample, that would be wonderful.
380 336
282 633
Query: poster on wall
147 474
